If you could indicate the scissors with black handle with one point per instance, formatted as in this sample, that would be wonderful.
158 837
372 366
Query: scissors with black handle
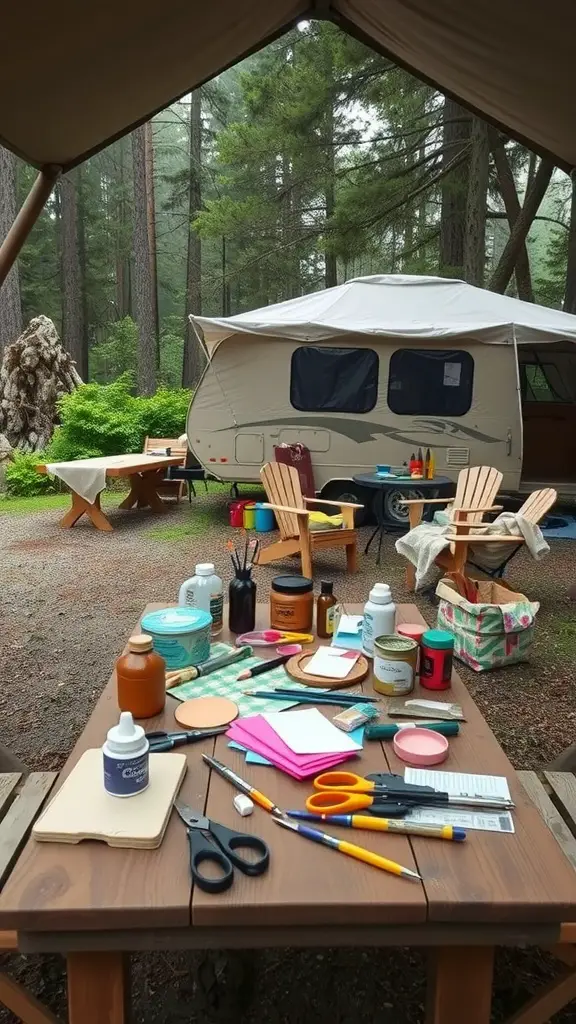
213 843
161 741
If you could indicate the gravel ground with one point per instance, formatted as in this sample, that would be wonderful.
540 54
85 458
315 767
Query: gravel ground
68 599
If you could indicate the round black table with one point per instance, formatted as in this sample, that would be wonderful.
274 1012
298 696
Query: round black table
407 487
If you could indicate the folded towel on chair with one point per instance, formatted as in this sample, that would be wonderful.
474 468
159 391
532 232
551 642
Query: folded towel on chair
425 542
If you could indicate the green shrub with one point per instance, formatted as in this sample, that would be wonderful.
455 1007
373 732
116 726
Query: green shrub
106 419
22 477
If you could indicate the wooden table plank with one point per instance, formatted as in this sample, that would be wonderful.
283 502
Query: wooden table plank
306 884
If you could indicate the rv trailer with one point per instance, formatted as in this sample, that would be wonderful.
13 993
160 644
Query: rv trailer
371 370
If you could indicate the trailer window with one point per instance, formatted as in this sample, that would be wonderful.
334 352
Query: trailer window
430 382
333 379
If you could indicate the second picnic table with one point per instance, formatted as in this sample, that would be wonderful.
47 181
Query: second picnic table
95 903
86 478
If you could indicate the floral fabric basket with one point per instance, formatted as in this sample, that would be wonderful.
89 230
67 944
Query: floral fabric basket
495 630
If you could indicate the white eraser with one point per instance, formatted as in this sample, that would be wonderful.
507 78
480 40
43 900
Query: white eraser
243 805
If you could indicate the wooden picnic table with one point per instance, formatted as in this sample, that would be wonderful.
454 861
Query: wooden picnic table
146 473
96 904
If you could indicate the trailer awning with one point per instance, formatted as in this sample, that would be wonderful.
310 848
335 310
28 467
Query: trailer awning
398 306
76 76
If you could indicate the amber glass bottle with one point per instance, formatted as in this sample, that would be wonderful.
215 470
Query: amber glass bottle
325 610
141 679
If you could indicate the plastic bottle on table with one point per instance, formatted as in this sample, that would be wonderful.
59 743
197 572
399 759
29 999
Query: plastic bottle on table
126 756
379 617
204 591
141 679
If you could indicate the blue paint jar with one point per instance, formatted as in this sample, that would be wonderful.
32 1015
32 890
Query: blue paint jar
264 520
126 758
180 635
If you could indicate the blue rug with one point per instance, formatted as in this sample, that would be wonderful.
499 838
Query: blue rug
561 527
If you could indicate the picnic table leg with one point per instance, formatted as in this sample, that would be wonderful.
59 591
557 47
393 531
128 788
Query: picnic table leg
98 988
93 511
460 985
144 491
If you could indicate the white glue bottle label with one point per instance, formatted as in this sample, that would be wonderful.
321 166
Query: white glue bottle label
379 617
126 756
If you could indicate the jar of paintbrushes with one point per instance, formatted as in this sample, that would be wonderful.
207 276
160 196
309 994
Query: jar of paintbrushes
242 590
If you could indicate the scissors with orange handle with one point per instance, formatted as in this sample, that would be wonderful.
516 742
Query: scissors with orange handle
386 794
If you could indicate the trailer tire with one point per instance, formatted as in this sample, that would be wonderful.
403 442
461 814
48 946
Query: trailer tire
347 490
394 511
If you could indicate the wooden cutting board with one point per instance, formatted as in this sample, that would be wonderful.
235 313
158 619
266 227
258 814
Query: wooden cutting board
82 809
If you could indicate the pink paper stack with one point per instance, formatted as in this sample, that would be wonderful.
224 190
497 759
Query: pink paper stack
256 734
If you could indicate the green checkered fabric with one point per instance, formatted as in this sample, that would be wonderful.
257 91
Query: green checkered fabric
223 683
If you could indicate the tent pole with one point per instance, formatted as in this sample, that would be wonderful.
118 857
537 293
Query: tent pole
26 218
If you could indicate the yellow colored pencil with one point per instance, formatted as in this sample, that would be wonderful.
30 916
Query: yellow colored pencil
402 826
350 849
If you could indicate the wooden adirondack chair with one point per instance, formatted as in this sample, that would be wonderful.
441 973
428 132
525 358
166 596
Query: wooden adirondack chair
533 510
476 489
168 488
282 485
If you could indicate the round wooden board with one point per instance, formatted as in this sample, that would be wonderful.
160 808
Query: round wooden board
296 668
206 712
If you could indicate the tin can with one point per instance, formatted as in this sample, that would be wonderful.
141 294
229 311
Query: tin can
394 664
414 631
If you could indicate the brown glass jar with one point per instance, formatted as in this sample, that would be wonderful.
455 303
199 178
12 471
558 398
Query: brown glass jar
292 603
141 679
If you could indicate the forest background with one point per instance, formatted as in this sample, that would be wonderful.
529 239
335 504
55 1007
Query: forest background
311 162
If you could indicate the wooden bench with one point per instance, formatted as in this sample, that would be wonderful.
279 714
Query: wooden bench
556 801
21 798
168 488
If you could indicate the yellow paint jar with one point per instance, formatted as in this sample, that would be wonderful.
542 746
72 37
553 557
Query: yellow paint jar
395 660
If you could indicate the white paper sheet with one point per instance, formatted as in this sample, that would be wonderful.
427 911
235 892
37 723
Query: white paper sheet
309 732
463 784
495 787
332 662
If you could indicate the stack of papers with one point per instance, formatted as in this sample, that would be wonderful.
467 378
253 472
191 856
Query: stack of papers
300 743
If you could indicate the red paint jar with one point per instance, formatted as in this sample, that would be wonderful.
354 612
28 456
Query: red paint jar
436 654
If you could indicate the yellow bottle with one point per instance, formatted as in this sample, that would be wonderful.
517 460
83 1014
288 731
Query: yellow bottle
431 465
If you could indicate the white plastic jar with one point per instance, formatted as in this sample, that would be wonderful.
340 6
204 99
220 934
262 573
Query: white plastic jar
204 591
379 617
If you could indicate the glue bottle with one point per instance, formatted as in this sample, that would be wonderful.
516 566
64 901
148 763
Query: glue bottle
379 617
126 755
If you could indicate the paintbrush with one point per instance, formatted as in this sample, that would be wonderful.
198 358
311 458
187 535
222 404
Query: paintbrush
244 787
233 555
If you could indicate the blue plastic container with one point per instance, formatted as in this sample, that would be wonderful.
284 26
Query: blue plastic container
264 520
180 635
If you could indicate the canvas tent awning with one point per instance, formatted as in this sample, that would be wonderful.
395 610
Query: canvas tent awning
398 306
75 76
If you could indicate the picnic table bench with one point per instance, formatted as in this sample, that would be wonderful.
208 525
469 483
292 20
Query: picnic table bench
145 472
96 904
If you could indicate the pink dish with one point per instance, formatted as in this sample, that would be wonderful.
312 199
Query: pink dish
421 747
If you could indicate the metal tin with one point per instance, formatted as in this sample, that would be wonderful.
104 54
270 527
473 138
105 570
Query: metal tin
394 665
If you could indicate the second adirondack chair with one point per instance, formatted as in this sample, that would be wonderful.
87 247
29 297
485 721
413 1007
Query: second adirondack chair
469 548
282 485
476 489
